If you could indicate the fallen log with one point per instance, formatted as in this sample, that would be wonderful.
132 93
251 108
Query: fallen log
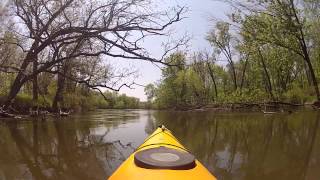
8 115
4 114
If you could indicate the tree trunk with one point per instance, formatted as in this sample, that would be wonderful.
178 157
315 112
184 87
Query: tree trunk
269 85
307 72
35 82
213 79
14 90
20 79
243 74
310 67
234 75
304 49
59 93
313 77
183 92
35 78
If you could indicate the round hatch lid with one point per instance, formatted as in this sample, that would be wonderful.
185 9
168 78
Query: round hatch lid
164 158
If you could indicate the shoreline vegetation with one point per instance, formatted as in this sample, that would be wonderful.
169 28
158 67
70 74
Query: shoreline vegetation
193 86
89 100
56 56
264 52
265 107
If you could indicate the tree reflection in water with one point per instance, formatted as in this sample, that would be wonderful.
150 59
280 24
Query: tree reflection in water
251 146
57 150
242 146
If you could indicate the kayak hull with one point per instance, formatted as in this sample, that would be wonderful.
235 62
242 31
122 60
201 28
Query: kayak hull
161 137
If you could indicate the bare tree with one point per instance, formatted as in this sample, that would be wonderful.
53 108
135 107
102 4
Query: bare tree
115 28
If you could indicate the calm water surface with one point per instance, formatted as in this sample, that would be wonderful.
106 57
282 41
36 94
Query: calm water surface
240 146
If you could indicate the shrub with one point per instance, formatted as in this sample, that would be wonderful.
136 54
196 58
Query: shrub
244 96
297 96
23 102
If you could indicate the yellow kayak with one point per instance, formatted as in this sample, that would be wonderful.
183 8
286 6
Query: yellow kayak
161 157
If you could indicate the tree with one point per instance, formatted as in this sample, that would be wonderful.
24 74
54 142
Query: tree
150 91
221 39
85 29
282 24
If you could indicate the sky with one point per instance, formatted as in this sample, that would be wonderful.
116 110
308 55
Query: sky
197 24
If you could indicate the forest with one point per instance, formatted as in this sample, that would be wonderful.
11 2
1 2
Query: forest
54 55
267 51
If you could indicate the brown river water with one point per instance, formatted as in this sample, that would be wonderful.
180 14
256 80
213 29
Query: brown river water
239 146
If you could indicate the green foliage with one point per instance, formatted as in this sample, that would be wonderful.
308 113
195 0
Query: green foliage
77 100
94 100
149 91
23 102
43 101
298 96
101 103
125 102
272 56
181 86
191 85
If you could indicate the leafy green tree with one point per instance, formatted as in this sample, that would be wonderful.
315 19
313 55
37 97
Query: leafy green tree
221 39
282 24
150 91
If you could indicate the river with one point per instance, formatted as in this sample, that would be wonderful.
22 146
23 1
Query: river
239 146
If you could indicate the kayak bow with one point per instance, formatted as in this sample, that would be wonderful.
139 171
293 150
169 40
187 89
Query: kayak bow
161 156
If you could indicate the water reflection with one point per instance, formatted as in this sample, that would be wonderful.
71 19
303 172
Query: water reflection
251 146
234 146
74 148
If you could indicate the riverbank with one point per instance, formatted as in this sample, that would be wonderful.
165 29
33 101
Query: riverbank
25 108
24 104
272 106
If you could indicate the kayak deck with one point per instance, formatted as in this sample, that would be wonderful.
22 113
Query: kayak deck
162 137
